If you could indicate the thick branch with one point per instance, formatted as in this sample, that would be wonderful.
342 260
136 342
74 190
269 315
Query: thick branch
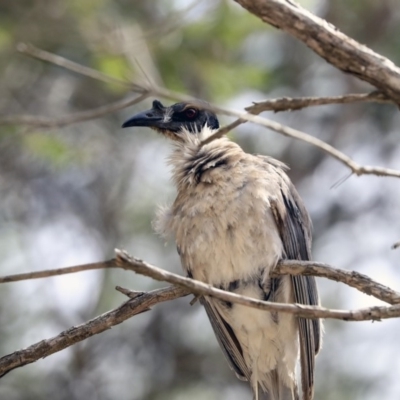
327 41
97 325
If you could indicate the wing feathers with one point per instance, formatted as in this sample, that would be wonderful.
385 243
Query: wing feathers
294 227
227 340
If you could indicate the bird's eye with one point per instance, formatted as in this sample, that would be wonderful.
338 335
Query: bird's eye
191 112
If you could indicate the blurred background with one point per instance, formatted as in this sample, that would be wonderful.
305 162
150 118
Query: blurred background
71 195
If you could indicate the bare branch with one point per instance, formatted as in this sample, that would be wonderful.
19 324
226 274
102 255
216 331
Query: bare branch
291 104
354 279
76 334
367 314
43 55
45 122
327 41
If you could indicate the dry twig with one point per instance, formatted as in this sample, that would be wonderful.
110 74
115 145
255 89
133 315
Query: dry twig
291 104
57 272
46 122
76 334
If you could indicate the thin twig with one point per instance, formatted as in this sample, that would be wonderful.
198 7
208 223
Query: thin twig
367 314
33 51
291 104
57 272
46 122
132 294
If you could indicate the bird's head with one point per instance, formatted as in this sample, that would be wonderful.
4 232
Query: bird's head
177 121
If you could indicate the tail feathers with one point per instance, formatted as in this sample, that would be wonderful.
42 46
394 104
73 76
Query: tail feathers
274 389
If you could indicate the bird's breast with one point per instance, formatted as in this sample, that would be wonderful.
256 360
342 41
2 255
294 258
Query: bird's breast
225 231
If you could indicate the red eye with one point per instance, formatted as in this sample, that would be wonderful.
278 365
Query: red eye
191 112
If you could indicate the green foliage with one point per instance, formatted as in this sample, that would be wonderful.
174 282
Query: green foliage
50 149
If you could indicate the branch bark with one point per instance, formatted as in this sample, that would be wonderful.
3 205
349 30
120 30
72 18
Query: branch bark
354 279
292 104
125 261
328 42
76 334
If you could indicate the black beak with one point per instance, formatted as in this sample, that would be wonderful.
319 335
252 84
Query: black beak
145 118
150 118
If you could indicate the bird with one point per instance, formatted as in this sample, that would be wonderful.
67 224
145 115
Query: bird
235 216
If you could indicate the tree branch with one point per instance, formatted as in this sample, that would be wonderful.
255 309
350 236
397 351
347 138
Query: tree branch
292 104
76 334
328 42
124 260
354 279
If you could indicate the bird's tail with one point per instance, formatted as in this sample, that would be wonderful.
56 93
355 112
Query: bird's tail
272 388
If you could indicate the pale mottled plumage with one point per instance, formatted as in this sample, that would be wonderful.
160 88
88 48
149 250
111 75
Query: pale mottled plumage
235 216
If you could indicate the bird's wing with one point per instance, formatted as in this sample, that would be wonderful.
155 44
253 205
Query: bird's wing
223 331
294 227
227 340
